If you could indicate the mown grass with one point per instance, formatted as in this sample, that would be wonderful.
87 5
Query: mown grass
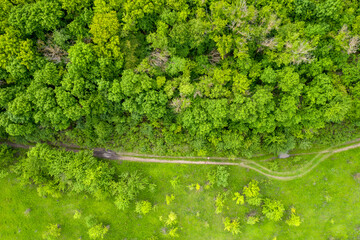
327 199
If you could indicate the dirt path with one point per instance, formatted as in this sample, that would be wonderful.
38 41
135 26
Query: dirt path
245 163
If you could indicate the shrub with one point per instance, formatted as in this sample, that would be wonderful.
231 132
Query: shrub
293 220
238 198
255 201
98 231
219 176
232 226
222 176
273 209
77 214
65 171
173 232
143 207
53 232
220 202
169 199
251 220
174 182
172 219
211 177
252 193
6 157
252 189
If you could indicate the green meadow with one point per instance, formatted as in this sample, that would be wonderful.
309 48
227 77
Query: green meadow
327 200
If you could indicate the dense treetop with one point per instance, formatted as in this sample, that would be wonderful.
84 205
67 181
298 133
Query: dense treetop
172 77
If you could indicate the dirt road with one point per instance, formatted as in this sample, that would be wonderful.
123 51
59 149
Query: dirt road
245 163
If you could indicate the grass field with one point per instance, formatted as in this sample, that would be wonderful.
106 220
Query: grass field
327 199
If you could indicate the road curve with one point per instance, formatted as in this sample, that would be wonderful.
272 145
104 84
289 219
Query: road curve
245 163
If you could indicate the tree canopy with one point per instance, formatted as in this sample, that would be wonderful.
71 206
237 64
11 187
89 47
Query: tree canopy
180 77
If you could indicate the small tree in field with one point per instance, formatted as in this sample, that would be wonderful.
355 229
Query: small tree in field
175 182
143 207
238 198
293 220
232 226
98 231
77 214
173 232
172 219
220 202
53 232
273 209
222 176
251 220
169 199
252 193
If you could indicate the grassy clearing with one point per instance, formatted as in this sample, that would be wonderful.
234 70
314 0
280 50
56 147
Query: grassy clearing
326 200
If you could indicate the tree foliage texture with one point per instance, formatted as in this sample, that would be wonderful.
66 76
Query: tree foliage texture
180 77
55 172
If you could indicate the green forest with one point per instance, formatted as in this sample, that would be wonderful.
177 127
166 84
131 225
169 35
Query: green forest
172 119
184 77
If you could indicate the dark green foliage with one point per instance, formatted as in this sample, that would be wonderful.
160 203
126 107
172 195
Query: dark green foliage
209 77
36 17
222 176
6 159
218 177
58 171
6 155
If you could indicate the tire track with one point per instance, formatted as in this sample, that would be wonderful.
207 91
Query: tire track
245 163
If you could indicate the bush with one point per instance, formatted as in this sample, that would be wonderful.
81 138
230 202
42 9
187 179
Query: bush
173 232
211 177
220 202
6 158
252 189
293 220
218 177
238 198
232 226
169 199
273 209
222 176
53 232
143 207
98 231
172 219
252 193
251 220
77 214
174 182
64 171
255 201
